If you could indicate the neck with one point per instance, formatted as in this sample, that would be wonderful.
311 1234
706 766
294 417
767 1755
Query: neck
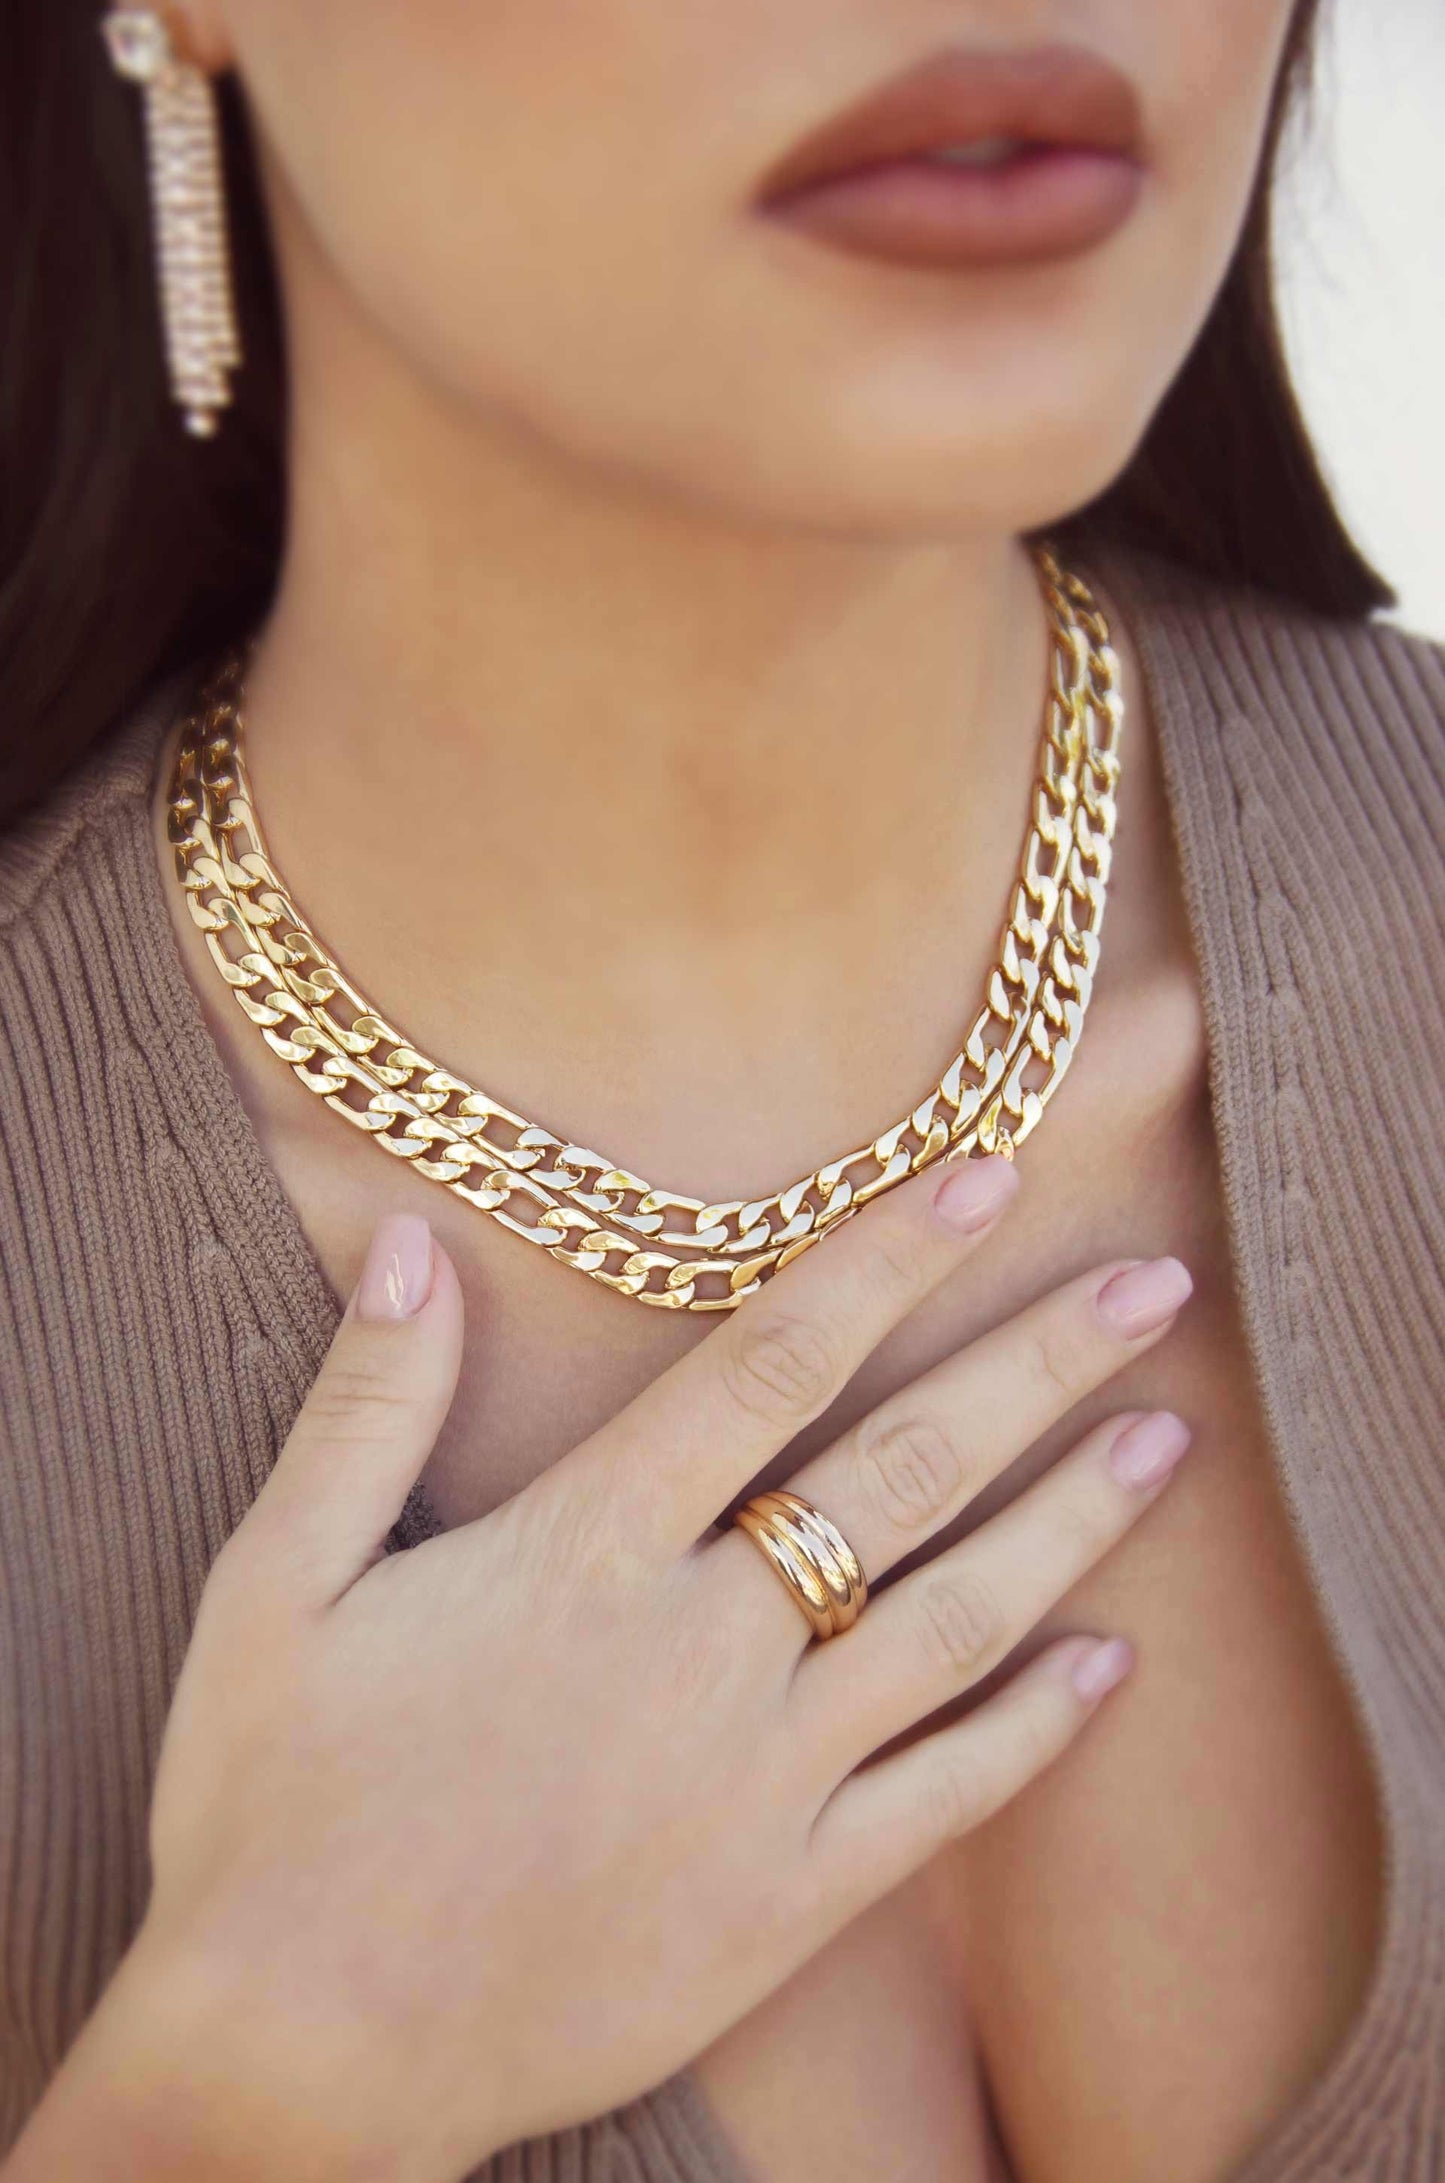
542 750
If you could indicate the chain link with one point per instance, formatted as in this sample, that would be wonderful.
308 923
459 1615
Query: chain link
658 1246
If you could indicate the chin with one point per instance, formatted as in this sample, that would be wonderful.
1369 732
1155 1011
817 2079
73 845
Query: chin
1002 469
1012 400
895 430
859 463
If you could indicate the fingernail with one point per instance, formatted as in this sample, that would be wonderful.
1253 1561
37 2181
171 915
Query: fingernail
1146 1451
396 1279
975 1191
1104 1665
1143 1296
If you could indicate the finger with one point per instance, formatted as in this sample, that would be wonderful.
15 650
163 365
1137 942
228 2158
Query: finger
367 1424
908 1467
947 1625
675 1457
886 1821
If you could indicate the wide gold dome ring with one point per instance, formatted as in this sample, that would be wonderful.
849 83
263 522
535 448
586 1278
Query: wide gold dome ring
811 1555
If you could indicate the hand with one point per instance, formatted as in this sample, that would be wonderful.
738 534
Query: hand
460 1845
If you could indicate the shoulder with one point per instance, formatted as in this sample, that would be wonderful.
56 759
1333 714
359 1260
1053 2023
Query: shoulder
1340 714
1355 676
39 851
77 875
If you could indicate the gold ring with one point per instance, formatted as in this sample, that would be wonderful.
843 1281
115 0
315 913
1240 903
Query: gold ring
811 1555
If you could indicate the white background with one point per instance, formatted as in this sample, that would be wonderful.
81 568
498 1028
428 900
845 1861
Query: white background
1360 237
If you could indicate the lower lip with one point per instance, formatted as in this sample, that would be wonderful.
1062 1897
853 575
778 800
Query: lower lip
1049 201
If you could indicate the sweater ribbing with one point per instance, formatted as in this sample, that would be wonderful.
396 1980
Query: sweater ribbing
161 1313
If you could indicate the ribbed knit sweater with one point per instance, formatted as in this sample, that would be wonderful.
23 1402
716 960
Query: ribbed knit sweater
162 1313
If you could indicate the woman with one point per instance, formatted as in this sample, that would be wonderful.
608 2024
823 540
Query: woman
645 704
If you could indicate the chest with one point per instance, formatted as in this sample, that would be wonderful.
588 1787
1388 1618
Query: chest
1143 1960
1136 1968
1140 1962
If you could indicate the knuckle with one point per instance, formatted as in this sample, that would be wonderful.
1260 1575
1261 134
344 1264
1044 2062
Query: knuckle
782 1370
909 1470
574 1540
1081 1525
961 1624
352 1399
893 1264
1056 1357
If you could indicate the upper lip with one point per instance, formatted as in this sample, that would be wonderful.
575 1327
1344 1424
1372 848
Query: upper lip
1046 94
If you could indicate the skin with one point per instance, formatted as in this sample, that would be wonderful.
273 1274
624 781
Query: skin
375 1879
648 570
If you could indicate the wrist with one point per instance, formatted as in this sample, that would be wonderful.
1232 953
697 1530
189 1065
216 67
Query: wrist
169 2082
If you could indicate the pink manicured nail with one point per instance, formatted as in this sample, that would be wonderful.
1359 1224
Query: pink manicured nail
1147 1450
974 1191
1142 1297
1101 1668
396 1279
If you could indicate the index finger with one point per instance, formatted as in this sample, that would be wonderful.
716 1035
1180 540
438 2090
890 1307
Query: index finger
678 1453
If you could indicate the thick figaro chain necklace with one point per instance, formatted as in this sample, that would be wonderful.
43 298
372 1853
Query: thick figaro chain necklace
655 1245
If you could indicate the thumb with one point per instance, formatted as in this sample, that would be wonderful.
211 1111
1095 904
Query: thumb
368 1423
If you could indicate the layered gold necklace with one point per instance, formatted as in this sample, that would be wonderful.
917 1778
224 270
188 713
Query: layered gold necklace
656 1245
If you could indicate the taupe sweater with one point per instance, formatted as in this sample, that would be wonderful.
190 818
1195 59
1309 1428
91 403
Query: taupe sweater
161 1313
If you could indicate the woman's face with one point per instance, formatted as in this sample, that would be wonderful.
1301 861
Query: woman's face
546 209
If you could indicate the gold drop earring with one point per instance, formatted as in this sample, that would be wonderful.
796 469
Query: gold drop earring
193 266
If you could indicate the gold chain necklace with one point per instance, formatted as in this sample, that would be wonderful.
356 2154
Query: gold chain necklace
657 1246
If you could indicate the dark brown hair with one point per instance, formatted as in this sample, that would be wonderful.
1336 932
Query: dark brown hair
126 546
